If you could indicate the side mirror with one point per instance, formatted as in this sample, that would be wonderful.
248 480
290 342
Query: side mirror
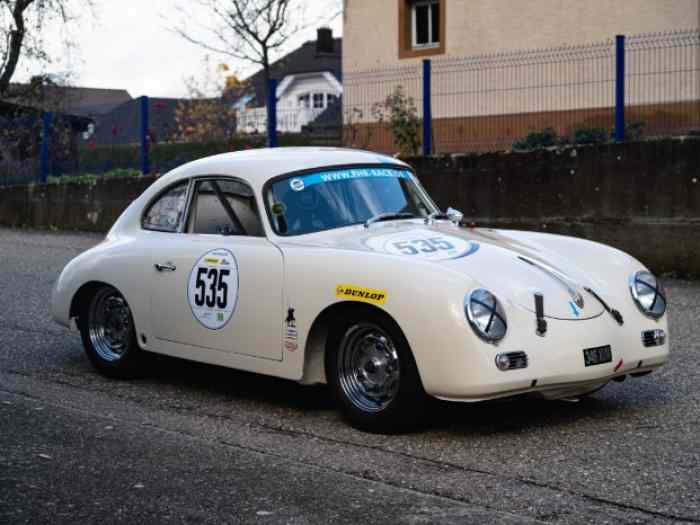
455 216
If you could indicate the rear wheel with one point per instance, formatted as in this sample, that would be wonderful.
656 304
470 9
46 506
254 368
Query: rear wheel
373 375
107 330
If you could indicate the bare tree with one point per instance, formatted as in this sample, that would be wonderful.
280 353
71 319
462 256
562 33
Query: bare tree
22 25
203 117
248 30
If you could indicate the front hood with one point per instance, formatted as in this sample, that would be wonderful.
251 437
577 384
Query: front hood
510 267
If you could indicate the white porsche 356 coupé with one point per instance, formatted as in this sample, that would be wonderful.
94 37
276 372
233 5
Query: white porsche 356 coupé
335 266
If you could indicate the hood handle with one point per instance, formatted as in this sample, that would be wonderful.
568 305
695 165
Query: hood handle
539 313
614 313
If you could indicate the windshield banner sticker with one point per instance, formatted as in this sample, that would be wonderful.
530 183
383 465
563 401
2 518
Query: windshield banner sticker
423 244
358 293
300 183
212 290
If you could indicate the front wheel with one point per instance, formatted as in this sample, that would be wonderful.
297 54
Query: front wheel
107 331
373 376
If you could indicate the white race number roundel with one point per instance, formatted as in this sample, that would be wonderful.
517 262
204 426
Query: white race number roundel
423 244
212 291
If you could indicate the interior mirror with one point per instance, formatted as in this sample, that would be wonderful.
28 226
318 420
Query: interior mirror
455 216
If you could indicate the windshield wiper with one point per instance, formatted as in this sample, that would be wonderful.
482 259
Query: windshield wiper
436 215
386 216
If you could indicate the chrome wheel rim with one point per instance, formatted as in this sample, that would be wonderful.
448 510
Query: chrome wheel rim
110 327
368 367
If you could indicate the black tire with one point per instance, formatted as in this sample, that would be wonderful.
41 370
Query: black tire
108 334
401 411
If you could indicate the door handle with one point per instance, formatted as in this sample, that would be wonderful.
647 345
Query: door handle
165 267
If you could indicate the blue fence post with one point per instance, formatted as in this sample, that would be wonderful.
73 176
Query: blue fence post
45 144
427 110
619 88
145 136
272 113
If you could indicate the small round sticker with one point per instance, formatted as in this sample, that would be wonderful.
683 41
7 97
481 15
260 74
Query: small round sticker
296 184
212 291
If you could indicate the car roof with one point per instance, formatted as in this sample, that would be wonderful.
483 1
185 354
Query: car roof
257 166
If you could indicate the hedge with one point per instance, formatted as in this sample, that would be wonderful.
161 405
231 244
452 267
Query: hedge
166 156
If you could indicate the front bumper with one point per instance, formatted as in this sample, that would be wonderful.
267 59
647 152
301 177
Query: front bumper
556 367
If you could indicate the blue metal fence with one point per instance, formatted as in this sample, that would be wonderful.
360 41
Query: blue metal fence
622 88
639 85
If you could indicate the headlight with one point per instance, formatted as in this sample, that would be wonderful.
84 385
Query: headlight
648 293
486 315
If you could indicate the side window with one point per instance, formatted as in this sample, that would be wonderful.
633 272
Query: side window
224 207
167 211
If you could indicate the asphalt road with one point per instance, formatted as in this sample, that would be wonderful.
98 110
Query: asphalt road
198 444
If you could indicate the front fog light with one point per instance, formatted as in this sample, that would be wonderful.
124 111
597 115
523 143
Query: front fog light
511 361
653 338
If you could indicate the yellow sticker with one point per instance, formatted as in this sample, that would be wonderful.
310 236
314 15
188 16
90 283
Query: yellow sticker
357 293
211 260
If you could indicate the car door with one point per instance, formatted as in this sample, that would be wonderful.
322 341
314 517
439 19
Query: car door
217 282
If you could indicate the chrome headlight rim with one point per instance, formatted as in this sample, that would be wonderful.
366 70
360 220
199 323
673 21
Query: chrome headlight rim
658 290
496 312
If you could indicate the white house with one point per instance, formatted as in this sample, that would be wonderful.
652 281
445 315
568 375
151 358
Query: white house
309 81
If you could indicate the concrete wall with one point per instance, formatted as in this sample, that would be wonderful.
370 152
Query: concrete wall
371 32
643 198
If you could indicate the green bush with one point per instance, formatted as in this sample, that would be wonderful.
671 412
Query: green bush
548 137
590 136
166 156
398 112
634 130
537 140
90 178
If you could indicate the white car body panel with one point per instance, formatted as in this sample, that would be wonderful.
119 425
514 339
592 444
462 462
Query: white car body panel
425 297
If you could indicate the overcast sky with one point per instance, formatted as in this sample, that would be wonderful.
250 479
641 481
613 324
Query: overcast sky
129 45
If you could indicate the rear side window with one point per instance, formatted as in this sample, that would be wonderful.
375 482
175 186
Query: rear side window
166 212
224 207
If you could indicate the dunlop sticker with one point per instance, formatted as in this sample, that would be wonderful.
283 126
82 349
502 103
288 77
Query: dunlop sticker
357 293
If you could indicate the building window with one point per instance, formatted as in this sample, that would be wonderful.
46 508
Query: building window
318 100
425 22
421 28
304 101
331 98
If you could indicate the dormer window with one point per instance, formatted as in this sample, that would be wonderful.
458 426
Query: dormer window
304 101
315 100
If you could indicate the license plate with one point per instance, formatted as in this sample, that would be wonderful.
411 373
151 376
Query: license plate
597 356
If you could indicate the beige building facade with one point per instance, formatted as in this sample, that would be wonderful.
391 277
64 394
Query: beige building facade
376 33
504 68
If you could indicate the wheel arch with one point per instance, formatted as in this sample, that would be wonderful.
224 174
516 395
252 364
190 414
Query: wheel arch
317 339
84 293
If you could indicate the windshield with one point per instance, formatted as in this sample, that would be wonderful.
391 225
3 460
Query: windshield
332 199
